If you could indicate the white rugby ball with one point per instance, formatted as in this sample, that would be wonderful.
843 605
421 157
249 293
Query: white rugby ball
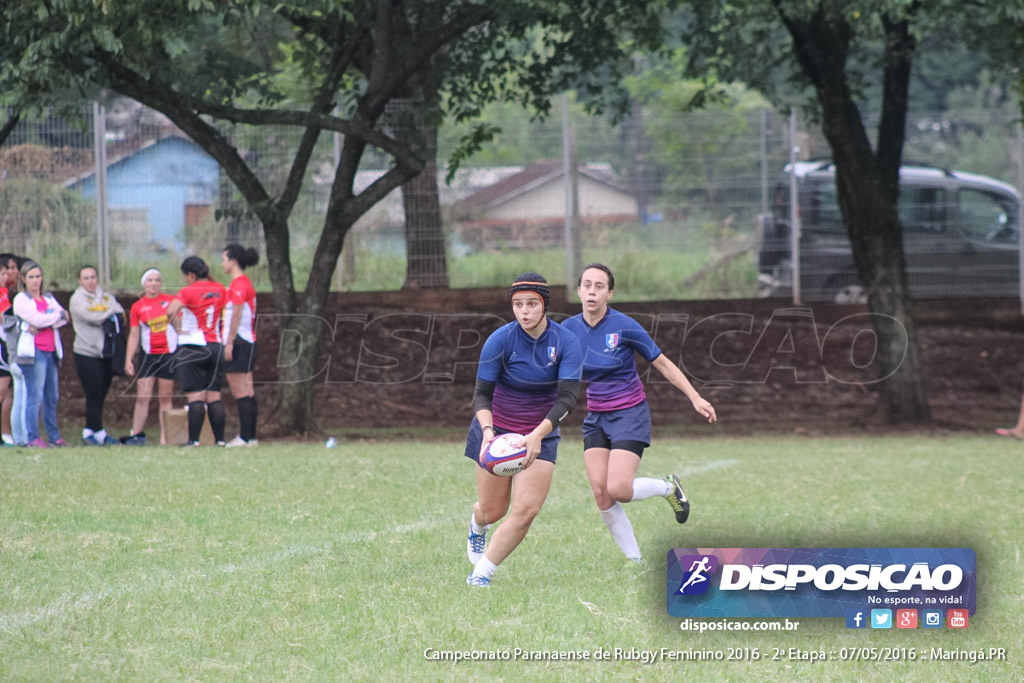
505 456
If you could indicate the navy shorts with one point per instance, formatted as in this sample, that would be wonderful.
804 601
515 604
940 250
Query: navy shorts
160 365
199 368
628 429
243 356
548 445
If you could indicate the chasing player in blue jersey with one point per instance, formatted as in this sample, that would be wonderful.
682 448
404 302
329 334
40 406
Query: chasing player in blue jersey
618 424
527 383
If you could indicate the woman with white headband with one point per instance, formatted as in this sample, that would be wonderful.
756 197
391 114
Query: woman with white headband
150 329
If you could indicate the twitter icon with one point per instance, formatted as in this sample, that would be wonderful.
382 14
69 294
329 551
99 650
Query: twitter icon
881 618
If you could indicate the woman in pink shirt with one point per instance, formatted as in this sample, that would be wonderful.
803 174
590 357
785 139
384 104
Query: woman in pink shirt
38 353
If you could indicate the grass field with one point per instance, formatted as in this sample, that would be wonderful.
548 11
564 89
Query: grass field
299 562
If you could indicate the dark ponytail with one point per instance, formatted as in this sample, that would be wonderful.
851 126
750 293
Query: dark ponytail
196 266
242 256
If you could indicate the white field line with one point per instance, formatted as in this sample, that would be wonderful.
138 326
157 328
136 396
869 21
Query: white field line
68 604
709 466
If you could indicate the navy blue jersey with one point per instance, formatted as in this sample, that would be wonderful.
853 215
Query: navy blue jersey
526 372
608 364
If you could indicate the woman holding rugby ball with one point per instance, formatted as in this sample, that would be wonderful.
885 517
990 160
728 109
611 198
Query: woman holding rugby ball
617 428
527 383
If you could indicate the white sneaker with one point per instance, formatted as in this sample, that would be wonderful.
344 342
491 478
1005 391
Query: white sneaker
236 442
475 545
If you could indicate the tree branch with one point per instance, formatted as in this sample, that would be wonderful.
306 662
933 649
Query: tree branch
10 125
423 53
899 58
275 226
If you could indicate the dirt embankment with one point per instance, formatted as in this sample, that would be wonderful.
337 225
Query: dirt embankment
408 358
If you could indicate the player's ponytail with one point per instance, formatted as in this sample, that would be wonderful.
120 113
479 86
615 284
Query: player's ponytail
242 256
196 266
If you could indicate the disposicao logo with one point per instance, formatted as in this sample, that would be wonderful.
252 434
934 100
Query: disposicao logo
697 578
818 582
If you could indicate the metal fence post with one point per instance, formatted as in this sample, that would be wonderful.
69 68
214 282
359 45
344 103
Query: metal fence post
99 127
794 210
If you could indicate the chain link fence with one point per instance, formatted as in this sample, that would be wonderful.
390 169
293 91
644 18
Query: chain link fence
680 205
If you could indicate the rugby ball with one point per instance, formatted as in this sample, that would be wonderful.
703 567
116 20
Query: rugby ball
504 456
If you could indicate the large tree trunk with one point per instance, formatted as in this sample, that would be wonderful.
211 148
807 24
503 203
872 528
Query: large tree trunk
298 356
426 258
867 183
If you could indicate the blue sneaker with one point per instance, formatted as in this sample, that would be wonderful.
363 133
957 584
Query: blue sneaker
90 441
110 441
135 439
478 581
475 545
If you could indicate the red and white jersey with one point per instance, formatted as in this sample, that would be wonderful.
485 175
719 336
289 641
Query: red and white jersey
200 317
150 316
243 296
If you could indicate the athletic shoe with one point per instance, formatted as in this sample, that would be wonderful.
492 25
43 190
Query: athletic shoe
239 442
478 581
110 441
191 444
59 443
37 443
221 444
135 440
90 440
475 545
677 499
8 439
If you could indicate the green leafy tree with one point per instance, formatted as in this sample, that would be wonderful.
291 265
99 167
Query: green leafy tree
694 158
318 65
828 56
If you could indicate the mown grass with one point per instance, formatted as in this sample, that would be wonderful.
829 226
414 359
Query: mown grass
301 562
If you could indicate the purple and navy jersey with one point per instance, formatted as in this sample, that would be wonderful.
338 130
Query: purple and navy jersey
526 371
608 364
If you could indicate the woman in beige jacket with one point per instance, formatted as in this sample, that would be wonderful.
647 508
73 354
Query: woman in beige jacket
90 308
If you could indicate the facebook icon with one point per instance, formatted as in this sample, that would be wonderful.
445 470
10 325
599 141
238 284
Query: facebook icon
856 618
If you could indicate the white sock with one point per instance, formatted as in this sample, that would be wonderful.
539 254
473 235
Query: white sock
476 528
8 439
622 531
86 433
645 487
484 567
101 435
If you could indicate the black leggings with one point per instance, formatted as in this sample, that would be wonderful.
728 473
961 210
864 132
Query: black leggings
96 375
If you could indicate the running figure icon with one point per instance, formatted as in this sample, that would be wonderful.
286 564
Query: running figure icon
697 571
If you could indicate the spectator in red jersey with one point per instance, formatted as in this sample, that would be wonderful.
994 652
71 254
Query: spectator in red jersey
198 358
239 334
150 331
